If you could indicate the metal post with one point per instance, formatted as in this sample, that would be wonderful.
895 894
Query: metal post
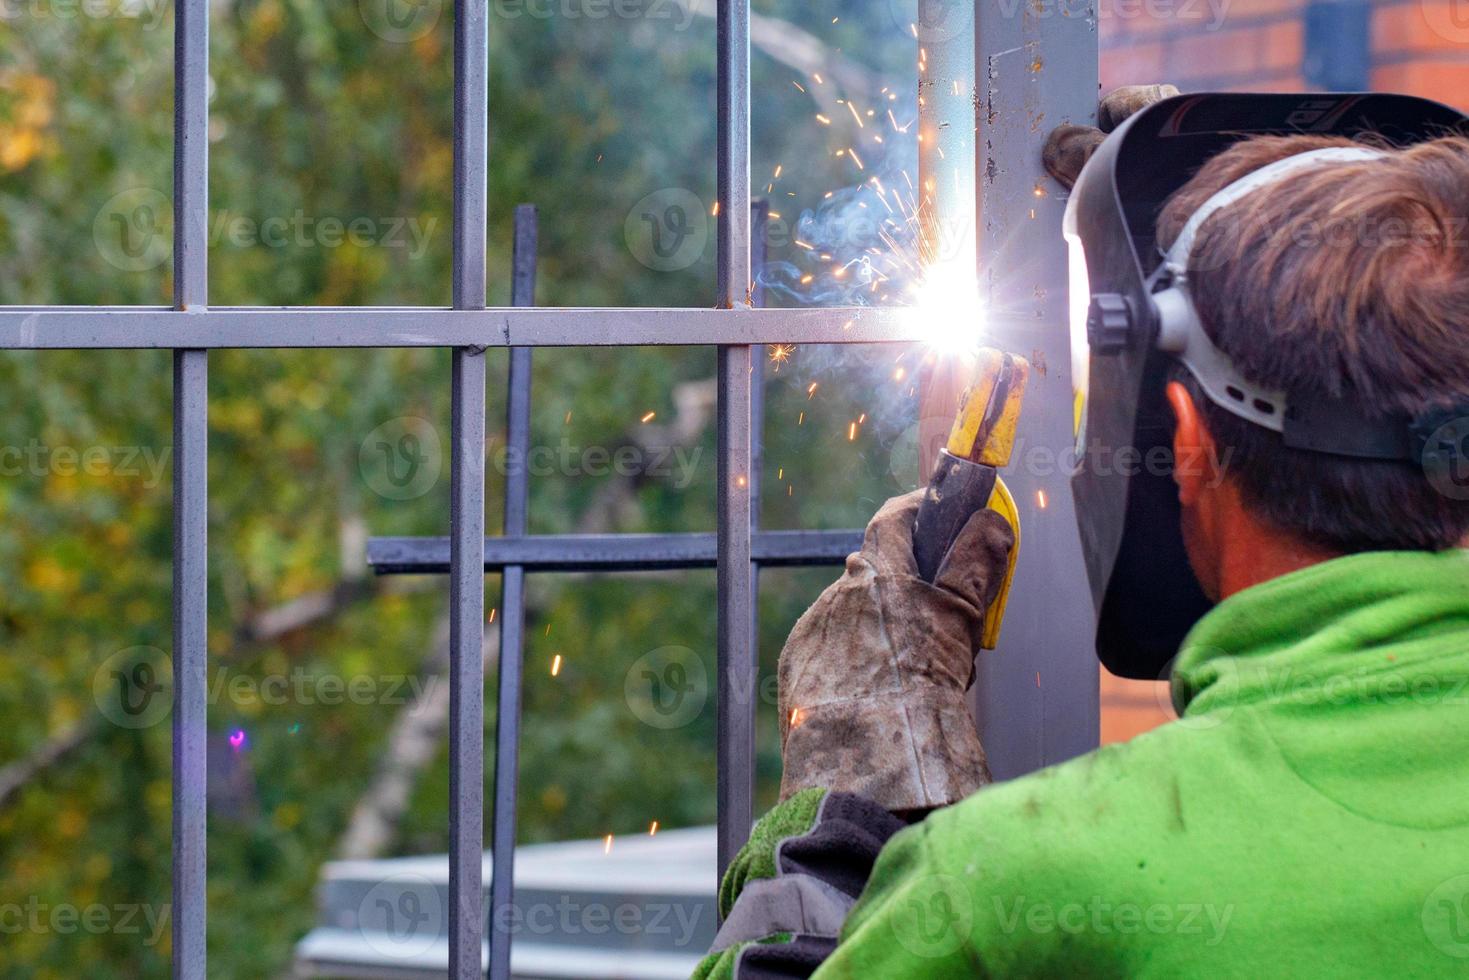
190 491
736 723
467 500
512 608
759 218
1035 697
947 181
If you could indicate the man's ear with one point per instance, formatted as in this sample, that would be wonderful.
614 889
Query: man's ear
1195 463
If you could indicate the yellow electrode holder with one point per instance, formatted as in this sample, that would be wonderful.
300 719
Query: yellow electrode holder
984 433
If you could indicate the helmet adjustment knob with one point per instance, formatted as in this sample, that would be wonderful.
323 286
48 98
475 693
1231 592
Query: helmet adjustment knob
1109 323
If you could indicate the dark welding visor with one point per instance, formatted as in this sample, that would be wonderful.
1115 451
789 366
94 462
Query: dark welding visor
1131 327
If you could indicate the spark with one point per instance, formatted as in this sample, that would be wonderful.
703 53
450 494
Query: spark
607 844
800 419
823 119
548 629
806 279
898 374
811 391
778 168
714 211
797 84
780 474
649 417
740 481
853 110
861 419
556 665
1040 499
568 419
775 215
852 432
653 828
492 614
780 353
790 490
856 159
795 717
818 78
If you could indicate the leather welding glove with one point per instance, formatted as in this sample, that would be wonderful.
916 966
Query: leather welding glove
1069 147
872 678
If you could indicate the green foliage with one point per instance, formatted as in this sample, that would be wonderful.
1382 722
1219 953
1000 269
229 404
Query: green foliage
315 115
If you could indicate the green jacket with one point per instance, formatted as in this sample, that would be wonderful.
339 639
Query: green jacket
1307 815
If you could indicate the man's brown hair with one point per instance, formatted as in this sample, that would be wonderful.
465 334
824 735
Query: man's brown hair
1347 280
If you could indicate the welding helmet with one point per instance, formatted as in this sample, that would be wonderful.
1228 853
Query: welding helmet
1133 322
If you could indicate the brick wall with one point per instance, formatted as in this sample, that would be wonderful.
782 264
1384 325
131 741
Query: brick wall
1419 47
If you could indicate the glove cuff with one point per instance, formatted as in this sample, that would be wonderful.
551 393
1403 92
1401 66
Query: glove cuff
911 750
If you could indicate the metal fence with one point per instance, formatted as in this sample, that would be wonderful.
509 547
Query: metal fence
1023 727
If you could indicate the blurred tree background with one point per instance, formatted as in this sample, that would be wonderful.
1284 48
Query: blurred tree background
328 118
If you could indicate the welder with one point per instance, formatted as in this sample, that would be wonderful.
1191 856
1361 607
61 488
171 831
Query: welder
1274 291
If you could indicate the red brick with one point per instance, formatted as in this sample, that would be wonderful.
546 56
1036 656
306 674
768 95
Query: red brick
1447 82
1138 64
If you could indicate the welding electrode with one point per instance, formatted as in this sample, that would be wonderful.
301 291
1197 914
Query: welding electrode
966 478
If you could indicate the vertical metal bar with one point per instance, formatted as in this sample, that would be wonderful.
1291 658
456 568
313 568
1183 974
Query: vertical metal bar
1036 697
467 500
759 216
512 607
947 177
736 723
190 491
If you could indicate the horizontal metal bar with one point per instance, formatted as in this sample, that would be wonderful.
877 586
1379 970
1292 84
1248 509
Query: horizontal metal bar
27 328
613 552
